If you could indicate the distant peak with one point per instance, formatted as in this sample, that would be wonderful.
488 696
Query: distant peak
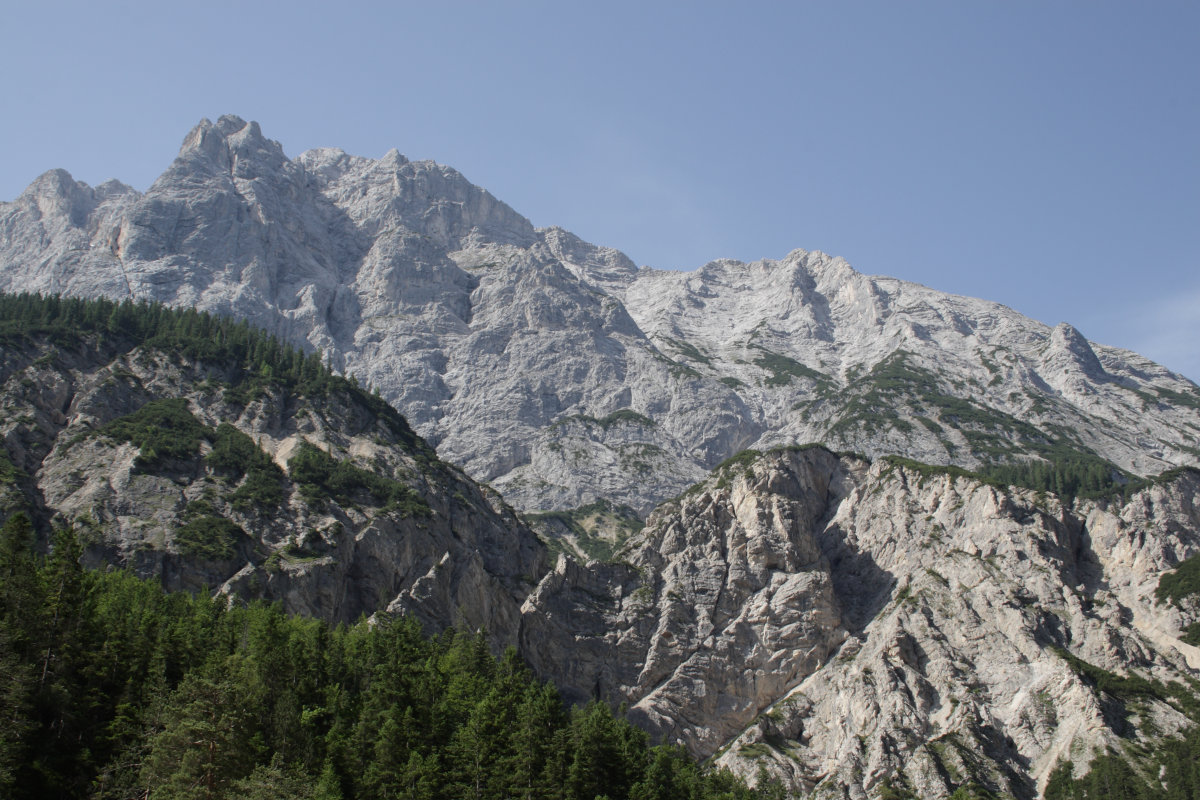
1066 339
55 182
230 136
114 188
203 138
328 163
1067 335
231 123
394 156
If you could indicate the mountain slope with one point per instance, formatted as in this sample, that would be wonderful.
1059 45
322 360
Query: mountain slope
832 621
556 370
202 452
840 623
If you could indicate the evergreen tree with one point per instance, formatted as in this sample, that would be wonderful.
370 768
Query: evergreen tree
21 632
203 744
597 767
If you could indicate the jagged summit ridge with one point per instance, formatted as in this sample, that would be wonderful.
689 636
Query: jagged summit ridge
556 369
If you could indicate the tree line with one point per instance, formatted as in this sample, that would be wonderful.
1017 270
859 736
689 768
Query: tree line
251 358
111 688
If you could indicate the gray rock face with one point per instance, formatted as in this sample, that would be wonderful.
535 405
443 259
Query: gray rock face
725 602
838 622
553 368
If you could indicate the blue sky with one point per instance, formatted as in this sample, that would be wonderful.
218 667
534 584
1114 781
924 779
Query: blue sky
1041 154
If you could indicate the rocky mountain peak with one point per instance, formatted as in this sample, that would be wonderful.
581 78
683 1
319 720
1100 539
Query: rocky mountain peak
1065 339
1070 364
52 183
325 165
229 124
57 196
205 140
393 157
114 188
605 267
230 145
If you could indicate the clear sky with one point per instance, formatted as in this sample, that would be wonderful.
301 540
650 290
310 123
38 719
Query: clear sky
1045 154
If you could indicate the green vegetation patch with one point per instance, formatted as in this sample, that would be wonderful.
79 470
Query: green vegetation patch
1180 583
689 351
1109 775
161 429
1081 475
10 473
236 455
625 415
896 382
1060 465
933 470
208 537
586 522
784 369
252 361
1165 769
897 788
1088 478
165 429
931 425
261 492
320 475
1190 399
1134 687
727 470
743 458
622 416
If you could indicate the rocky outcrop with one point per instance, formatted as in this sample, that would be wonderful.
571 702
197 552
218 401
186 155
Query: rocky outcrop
839 622
725 601
509 347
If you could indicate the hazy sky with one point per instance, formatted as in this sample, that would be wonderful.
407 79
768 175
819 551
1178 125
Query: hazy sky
1045 154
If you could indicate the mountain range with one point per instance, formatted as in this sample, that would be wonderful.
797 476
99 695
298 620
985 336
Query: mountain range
857 533
557 371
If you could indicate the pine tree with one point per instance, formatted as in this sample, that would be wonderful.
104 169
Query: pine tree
596 766
204 742
21 637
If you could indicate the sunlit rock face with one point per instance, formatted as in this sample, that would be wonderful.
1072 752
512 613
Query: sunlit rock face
556 370
836 622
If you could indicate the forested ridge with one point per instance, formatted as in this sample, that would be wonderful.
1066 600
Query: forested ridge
251 358
112 688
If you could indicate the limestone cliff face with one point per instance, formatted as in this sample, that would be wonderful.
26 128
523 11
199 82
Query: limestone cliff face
558 371
455 554
724 603
840 622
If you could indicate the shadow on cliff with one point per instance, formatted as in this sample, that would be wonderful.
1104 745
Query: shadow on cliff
861 586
